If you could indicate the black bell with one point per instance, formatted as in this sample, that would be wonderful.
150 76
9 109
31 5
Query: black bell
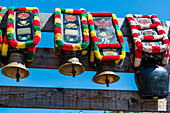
152 81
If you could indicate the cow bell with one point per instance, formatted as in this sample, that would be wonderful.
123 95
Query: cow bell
72 67
105 74
16 67
152 82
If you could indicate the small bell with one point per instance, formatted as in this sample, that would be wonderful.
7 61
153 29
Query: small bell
105 74
106 77
72 67
16 68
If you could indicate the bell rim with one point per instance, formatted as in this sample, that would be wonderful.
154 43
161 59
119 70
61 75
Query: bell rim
109 72
16 65
83 68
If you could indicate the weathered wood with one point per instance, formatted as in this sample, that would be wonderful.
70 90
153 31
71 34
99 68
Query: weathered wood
47 24
78 99
45 58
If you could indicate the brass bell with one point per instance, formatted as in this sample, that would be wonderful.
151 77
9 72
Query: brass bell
16 67
106 77
105 74
72 67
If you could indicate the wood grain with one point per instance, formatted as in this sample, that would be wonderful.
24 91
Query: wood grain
78 99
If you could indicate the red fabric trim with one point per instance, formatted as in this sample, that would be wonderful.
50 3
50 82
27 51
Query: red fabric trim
158 23
134 16
1 39
133 27
138 26
90 22
139 45
101 14
10 25
57 16
166 55
149 37
121 39
13 43
86 38
138 54
35 11
153 26
84 22
75 11
115 22
21 8
68 47
154 16
32 49
135 34
57 30
145 16
166 41
10 12
94 39
130 18
161 32
1 7
5 40
83 11
109 45
36 40
36 22
111 57
1 14
155 49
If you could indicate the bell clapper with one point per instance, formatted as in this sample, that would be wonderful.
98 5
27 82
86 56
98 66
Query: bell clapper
17 75
107 81
73 71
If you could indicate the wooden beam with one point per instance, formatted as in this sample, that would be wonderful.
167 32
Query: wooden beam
45 58
78 99
47 24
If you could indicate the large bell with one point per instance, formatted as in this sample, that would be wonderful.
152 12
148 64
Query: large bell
72 67
16 67
152 81
105 74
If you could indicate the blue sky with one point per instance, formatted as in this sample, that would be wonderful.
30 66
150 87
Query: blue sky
39 78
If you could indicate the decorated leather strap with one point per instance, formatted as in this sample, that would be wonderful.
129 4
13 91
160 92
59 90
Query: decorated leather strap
2 11
29 44
139 46
95 44
59 44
